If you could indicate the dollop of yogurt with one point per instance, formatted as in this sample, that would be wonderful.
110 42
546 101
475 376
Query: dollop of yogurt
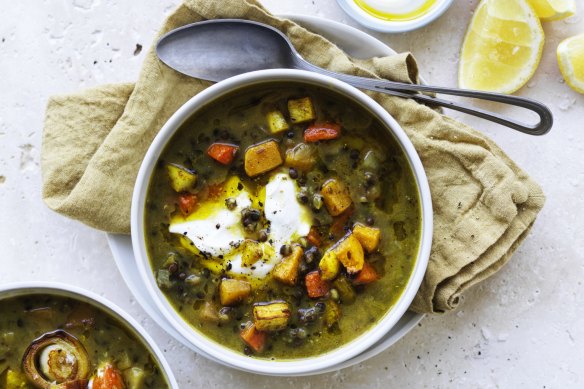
218 232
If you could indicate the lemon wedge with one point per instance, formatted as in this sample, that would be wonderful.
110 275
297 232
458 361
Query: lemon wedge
502 47
549 10
571 60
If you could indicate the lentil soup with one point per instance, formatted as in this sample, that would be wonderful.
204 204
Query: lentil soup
282 221
50 341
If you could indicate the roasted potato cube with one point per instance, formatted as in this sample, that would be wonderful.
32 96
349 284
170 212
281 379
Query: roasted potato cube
301 157
350 253
271 316
262 158
301 110
232 292
345 289
332 313
277 122
329 265
368 236
286 271
181 178
251 252
209 313
336 196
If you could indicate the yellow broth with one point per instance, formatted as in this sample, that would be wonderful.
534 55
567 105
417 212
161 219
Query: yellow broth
26 318
389 201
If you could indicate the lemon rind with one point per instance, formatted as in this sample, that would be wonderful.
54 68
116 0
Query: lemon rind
559 14
566 67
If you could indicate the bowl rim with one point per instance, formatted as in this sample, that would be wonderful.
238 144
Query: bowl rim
228 356
362 17
15 289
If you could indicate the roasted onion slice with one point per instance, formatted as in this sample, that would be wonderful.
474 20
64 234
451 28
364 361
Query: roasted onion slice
56 360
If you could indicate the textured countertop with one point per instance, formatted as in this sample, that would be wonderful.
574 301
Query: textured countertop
524 327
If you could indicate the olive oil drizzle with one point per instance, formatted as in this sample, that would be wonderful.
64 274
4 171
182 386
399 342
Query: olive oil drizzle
402 17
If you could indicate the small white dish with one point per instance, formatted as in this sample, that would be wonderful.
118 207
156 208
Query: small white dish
368 20
76 293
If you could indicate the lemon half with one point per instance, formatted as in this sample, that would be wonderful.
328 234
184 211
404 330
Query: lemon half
550 10
502 47
571 60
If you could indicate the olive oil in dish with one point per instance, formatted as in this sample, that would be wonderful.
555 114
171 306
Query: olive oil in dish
396 10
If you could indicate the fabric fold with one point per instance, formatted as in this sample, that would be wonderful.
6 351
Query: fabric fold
484 204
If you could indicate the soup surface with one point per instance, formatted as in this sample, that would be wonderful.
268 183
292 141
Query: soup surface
282 221
72 344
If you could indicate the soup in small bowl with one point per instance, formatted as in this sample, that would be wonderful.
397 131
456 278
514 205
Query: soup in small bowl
60 337
282 217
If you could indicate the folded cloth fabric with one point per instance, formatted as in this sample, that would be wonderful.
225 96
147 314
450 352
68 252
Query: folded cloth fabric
484 205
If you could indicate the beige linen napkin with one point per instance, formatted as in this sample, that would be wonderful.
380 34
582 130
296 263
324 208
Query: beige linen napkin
484 205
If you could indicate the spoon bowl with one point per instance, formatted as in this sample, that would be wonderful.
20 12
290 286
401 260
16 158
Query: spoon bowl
215 51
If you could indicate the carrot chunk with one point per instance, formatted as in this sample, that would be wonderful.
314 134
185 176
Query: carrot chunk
315 285
366 276
253 338
187 202
222 152
107 377
322 131
314 237
339 222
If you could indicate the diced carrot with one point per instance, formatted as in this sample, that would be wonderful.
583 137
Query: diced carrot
187 202
315 285
253 338
314 237
322 131
367 275
222 152
107 377
339 222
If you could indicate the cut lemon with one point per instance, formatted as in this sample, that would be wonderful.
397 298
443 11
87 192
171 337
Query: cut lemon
549 10
571 60
502 46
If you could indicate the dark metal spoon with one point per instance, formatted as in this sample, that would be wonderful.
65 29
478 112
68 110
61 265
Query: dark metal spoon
218 49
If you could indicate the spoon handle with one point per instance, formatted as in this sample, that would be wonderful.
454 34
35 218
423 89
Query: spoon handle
409 91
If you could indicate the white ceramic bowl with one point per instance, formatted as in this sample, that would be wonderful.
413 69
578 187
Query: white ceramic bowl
219 352
62 290
364 18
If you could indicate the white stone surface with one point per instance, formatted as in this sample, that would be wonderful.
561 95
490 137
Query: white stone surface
523 327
